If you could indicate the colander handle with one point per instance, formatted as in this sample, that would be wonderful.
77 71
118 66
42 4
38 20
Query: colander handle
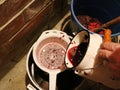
52 80
107 35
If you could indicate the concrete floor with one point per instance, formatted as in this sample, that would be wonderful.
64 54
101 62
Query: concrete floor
14 79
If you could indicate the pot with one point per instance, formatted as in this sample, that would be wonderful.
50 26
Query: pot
100 9
40 76
82 57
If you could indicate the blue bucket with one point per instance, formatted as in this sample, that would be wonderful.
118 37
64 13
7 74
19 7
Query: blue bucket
103 10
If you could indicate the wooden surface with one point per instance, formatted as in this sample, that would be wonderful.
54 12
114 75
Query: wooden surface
9 8
17 37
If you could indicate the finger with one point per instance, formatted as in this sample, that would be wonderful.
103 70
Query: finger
115 56
104 54
110 46
111 66
116 74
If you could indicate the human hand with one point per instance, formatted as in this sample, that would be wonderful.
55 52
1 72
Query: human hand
110 53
